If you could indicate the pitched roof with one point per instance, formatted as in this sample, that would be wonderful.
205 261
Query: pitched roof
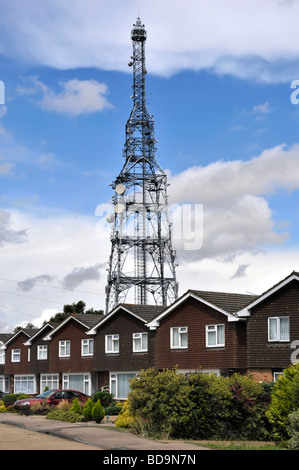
228 301
146 312
245 311
89 320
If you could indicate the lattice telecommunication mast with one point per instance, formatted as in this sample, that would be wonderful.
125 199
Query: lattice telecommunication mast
142 259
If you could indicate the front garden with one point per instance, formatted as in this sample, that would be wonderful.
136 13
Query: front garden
225 412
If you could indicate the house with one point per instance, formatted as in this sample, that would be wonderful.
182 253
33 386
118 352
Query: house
273 329
16 371
71 354
124 345
202 331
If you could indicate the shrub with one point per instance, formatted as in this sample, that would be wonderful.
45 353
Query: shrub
293 430
197 406
125 419
88 409
104 395
97 412
64 405
2 407
69 416
112 410
76 408
159 402
283 402
10 398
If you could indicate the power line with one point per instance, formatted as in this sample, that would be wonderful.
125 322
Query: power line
50 287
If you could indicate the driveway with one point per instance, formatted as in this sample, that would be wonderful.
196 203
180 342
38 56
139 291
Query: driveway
36 430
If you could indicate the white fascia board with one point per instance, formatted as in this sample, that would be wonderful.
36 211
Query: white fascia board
246 312
29 342
66 320
93 330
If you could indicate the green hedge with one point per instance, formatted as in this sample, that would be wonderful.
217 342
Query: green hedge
198 406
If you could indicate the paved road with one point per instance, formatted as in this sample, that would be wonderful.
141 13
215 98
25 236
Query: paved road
36 432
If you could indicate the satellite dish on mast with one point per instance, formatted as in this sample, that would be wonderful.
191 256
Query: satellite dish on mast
110 218
120 188
119 208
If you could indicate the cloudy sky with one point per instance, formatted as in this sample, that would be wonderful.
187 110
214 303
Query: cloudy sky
222 85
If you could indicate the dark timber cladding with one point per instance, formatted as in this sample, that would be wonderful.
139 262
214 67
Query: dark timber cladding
142 261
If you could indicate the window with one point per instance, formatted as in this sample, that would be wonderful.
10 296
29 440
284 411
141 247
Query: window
2 356
15 355
112 343
179 337
78 382
214 336
139 342
278 329
87 347
64 348
120 385
49 380
24 384
42 352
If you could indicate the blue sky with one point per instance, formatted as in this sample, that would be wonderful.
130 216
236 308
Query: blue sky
219 87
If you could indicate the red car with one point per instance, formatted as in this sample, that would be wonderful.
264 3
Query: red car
50 398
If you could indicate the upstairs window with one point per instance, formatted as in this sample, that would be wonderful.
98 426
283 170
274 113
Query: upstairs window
139 342
214 336
278 329
179 337
42 352
87 347
64 348
15 355
112 344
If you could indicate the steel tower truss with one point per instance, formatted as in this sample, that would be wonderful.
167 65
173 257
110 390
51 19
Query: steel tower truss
142 258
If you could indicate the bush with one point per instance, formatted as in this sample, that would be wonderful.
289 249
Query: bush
76 408
2 407
10 398
125 418
97 412
113 410
87 410
69 416
283 402
293 430
104 395
197 406
159 402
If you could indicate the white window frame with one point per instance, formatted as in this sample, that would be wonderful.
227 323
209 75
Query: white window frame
278 329
140 342
182 332
112 346
2 355
114 387
86 382
42 352
49 380
87 347
215 330
65 348
21 384
15 355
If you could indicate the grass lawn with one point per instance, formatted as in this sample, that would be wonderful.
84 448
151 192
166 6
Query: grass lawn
239 445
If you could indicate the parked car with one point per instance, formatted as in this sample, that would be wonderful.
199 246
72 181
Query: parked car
49 398
2 394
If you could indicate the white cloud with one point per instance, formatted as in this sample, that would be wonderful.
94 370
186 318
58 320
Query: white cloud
76 96
255 39
237 216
